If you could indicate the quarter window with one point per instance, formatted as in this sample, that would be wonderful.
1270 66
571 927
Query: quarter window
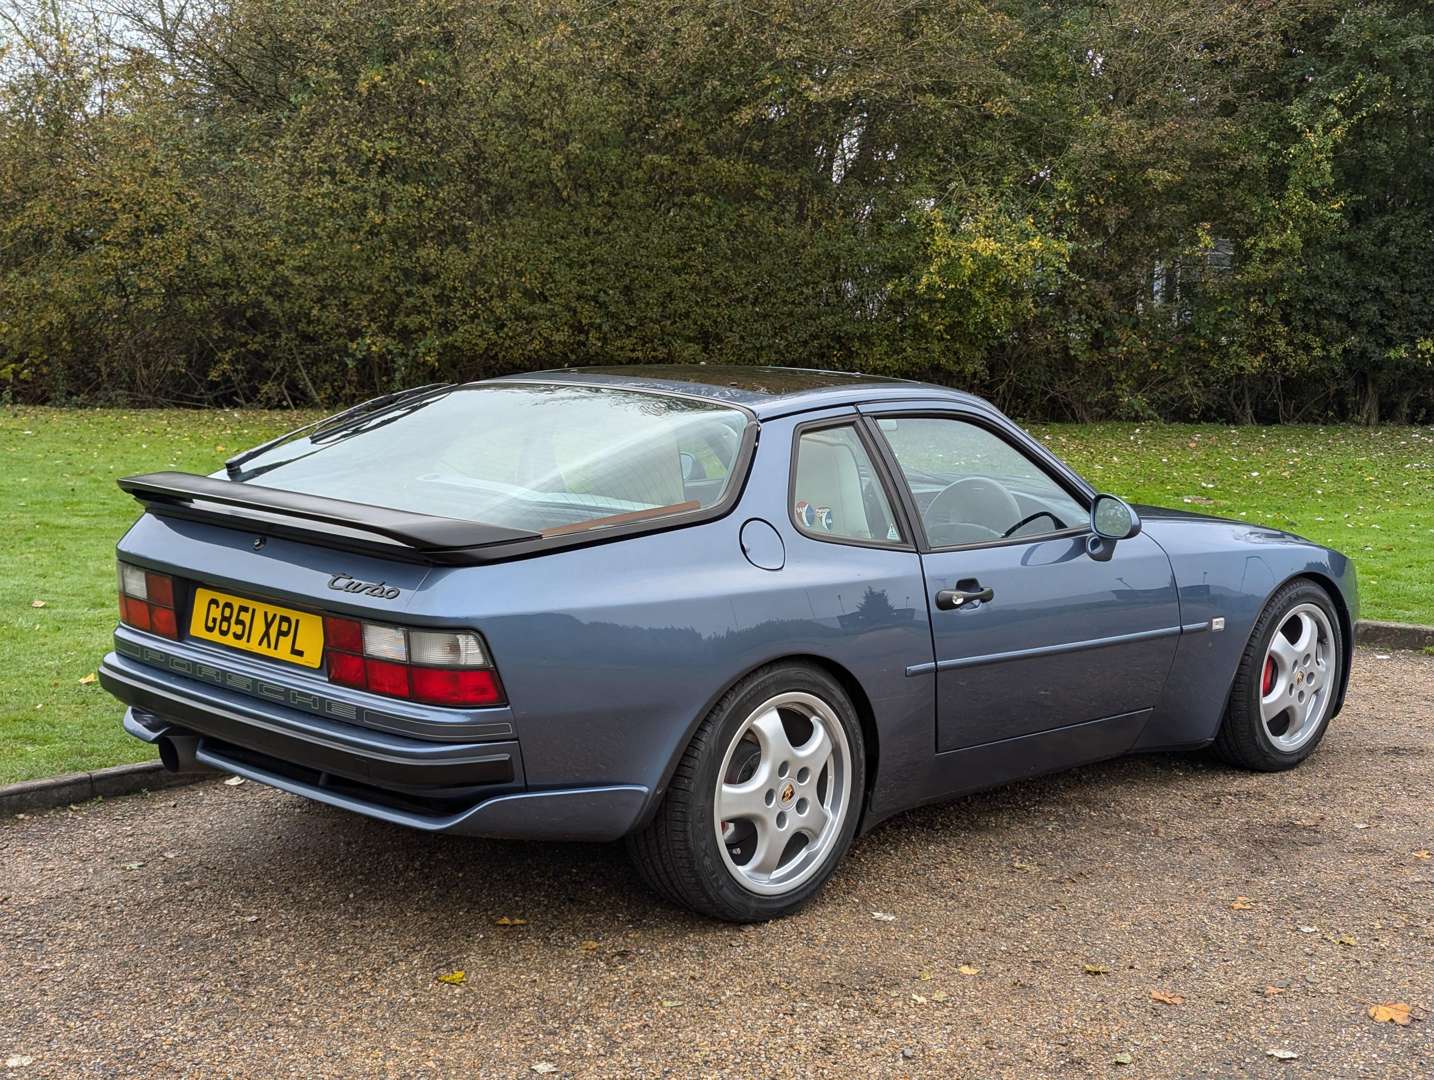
973 487
837 494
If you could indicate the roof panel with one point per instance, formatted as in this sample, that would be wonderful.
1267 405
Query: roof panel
765 390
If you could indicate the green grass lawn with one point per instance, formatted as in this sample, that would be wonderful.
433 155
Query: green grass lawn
1368 493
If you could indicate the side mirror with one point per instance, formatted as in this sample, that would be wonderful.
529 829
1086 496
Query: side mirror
1111 519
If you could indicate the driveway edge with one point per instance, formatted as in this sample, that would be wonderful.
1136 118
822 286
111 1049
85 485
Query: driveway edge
1393 635
77 787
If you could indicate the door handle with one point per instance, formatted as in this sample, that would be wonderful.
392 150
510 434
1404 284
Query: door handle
951 599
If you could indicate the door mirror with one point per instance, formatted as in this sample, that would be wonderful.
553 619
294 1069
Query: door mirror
1111 519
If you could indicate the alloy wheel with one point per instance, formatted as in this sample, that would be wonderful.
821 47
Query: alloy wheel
1297 682
783 793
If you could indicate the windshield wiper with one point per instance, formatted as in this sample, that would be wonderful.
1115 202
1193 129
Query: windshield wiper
329 425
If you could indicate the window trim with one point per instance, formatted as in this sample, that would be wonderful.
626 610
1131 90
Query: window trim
1082 498
881 471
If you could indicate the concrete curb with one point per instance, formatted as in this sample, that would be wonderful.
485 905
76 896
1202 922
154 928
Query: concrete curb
1393 635
78 787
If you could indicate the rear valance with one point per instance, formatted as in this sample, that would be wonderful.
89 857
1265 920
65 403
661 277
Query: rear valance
422 533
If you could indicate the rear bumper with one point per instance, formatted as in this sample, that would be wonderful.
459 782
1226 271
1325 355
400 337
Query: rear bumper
436 786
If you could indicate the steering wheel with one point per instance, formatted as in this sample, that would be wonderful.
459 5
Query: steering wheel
1057 522
974 500
957 533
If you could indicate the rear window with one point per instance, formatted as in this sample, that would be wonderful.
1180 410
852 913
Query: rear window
544 458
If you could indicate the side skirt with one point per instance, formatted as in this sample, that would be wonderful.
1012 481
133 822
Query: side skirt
977 768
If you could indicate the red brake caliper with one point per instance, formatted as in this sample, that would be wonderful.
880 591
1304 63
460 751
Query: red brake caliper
1269 680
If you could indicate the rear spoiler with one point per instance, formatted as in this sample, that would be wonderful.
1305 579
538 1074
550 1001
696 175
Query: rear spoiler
422 534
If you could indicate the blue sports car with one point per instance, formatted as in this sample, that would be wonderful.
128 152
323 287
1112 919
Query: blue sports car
732 615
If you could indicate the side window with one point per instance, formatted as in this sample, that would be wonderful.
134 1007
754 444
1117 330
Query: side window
973 487
836 493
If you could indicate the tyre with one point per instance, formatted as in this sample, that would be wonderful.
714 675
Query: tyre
763 803
1285 687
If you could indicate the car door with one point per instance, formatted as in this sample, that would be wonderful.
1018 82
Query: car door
1030 633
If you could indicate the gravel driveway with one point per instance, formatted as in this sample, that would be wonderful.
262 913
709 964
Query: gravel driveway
239 931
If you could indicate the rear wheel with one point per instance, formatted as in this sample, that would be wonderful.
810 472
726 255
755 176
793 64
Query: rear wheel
1284 690
764 801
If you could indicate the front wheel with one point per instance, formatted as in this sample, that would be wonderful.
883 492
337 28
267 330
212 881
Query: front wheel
1287 682
764 801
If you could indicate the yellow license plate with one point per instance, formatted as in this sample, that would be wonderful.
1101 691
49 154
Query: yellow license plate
267 629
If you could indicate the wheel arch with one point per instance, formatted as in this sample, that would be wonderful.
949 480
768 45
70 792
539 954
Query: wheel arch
860 700
1341 610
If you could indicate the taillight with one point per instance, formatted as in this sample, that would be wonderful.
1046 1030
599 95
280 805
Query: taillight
146 601
438 667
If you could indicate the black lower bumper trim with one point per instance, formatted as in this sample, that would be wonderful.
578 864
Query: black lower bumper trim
450 773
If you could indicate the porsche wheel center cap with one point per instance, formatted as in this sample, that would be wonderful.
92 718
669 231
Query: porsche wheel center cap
789 792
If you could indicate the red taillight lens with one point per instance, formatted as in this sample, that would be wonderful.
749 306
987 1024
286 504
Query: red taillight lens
346 669
162 621
161 589
147 601
439 667
385 677
135 612
443 686
345 635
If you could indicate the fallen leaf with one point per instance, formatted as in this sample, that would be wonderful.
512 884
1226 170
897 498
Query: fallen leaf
544 1067
132 865
1166 998
969 969
18 1061
1283 1055
1424 854
883 916
1272 991
234 781
1363 825
1345 939
918 999
1242 903
1392 1012
925 976
170 854
1309 929
939 995
507 920
669 1004
588 946
37 603
1095 969
1017 864
1122 1058
454 978
90 678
